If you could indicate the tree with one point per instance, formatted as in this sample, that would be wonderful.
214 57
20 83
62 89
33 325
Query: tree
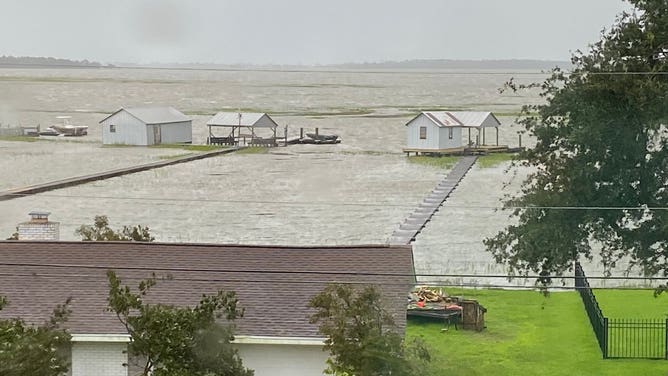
34 350
361 336
178 341
15 235
100 231
601 151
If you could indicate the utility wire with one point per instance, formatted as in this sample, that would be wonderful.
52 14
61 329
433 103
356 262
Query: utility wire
307 272
346 281
337 203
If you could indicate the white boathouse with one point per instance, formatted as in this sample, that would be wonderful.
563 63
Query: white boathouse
146 126
444 131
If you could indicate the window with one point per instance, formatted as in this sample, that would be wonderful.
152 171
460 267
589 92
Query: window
450 133
423 133
112 128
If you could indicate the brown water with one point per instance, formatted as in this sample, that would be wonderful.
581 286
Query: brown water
355 192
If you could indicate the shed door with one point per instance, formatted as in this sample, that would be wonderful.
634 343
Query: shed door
156 134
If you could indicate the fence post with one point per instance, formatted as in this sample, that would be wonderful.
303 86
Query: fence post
605 338
665 329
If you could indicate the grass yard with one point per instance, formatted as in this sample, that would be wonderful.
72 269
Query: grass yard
632 304
526 334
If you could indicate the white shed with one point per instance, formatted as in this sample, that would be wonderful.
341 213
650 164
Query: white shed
146 126
440 131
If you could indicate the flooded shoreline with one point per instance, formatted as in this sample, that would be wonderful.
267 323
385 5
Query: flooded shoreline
356 192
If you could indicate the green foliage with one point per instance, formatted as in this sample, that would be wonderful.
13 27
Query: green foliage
178 341
361 336
34 350
15 235
100 231
601 142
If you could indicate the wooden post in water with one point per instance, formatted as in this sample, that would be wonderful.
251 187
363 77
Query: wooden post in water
316 132
286 135
519 134
301 133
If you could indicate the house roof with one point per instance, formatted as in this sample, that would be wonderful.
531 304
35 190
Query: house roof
154 115
467 119
244 119
273 284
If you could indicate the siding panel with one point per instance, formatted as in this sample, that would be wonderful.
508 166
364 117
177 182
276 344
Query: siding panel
283 360
99 359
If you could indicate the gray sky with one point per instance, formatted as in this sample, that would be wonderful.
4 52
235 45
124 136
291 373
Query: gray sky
301 31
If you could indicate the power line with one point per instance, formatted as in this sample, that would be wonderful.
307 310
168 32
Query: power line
341 281
337 203
327 273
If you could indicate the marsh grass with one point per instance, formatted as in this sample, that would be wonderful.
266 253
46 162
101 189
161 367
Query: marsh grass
494 159
190 147
253 150
442 162
21 139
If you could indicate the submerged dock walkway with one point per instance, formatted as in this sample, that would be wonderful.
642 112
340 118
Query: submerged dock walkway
78 180
414 224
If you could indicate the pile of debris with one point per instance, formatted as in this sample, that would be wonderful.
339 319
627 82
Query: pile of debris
429 302
427 298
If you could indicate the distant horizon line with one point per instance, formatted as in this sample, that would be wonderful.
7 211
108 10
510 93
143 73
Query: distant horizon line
415 63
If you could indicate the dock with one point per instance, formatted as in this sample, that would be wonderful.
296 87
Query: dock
465 150
416 222
78 180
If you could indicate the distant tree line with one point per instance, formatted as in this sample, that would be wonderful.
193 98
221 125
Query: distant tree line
47 62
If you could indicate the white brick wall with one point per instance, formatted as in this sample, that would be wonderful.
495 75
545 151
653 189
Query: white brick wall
39 231
99 359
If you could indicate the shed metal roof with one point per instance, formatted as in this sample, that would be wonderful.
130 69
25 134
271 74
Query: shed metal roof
467 119
154 115
244 119
273 284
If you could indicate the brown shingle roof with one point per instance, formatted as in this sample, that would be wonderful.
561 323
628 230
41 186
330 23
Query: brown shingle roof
274 284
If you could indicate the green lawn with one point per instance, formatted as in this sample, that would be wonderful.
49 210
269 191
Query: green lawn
632 304
526 334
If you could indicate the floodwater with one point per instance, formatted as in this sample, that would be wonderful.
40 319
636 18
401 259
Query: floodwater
356 192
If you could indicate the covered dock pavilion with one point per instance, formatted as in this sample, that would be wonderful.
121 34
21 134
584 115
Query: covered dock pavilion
242 128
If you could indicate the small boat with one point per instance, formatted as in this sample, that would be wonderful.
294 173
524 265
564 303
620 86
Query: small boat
313 138
67 129
49 132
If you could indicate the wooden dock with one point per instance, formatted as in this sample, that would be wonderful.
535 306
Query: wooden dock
414 224
463 150
78 180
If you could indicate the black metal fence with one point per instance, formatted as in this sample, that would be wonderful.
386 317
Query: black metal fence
622 338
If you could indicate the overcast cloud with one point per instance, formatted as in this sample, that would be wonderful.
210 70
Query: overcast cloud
301 31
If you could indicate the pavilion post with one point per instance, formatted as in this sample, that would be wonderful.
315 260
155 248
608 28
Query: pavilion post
497 136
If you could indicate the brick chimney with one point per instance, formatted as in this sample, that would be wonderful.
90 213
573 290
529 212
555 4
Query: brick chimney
39 227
